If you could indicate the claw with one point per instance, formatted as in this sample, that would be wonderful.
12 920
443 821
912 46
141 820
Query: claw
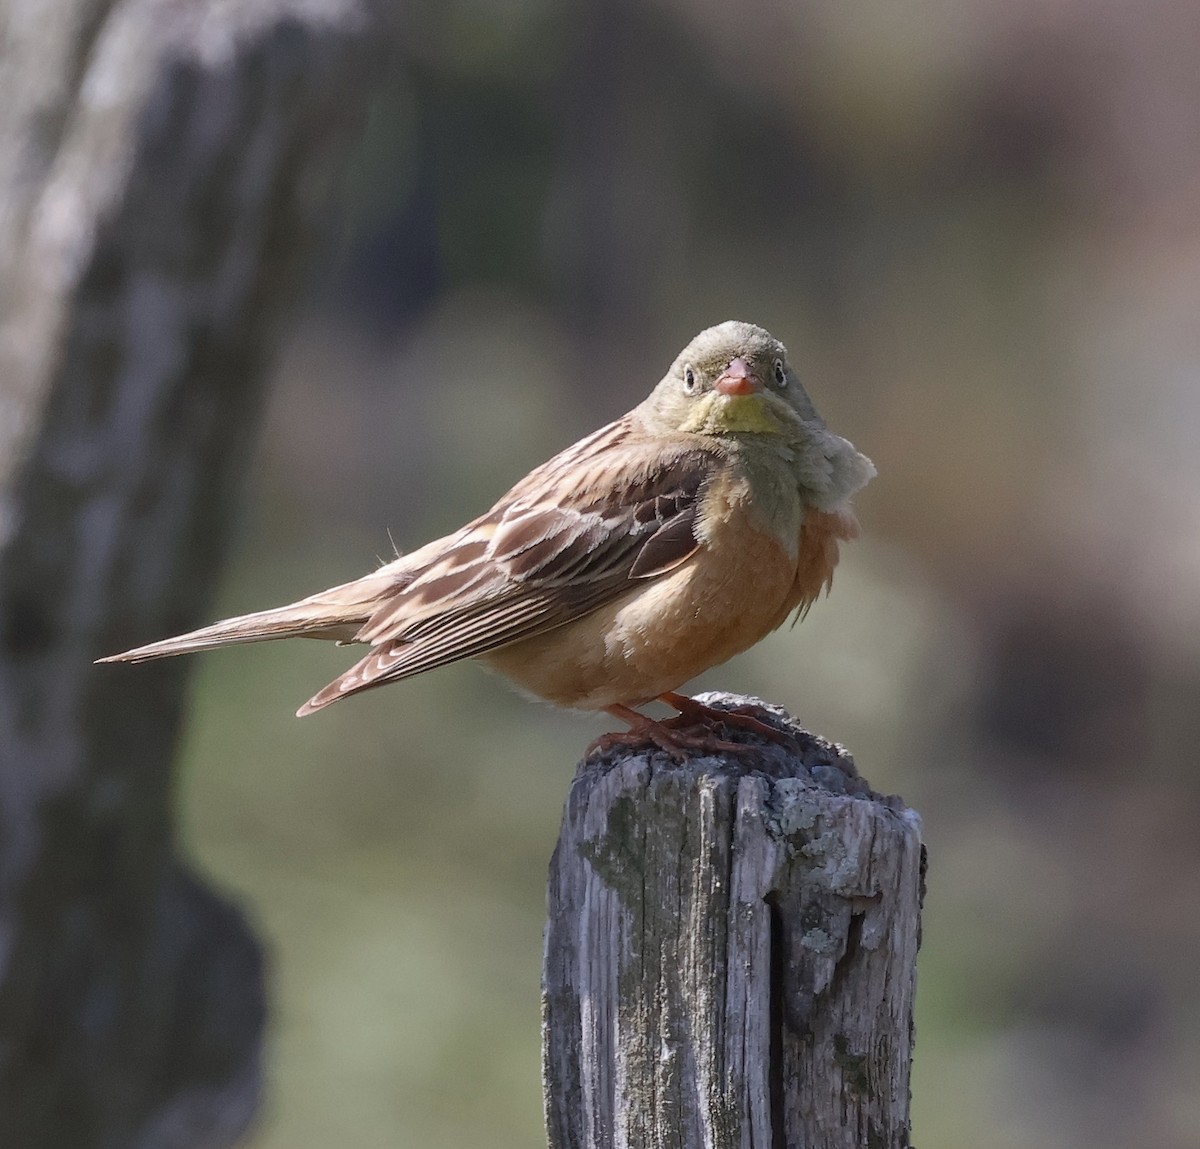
693 713
692 731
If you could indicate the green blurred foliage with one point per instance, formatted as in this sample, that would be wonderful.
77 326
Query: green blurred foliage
975 227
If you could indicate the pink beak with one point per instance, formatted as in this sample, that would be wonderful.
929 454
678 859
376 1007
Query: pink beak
737 379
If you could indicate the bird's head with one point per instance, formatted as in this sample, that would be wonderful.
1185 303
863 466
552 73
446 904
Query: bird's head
734 383
732 380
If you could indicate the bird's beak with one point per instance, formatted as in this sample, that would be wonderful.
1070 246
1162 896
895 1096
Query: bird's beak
738 379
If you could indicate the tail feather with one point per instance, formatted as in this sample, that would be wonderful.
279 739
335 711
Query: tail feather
258 627
335 614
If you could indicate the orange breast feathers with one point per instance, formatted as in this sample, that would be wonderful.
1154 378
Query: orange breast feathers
819 537
735 590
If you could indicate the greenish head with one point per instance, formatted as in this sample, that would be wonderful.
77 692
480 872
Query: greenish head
732 379
734 382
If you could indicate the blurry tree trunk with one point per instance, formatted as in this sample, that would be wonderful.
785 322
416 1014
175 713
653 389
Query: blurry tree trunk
731 955
163 167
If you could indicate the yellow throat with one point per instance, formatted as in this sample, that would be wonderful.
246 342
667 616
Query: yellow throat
719 414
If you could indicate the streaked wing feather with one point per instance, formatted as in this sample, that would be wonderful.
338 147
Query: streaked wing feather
503 622
672 544
567 539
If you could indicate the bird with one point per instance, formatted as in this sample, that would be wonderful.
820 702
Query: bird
655 548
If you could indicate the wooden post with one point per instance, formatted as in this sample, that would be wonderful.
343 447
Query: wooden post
731 953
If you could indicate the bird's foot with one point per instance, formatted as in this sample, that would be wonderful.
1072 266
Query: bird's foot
679 744
694 731
692 714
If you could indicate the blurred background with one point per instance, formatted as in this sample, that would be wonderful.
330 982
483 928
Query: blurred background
976 228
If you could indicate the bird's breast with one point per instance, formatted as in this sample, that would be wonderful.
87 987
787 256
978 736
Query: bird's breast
742 584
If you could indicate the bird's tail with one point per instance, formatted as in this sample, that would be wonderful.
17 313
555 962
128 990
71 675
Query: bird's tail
335 614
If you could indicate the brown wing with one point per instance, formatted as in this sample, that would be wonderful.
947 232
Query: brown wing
570 537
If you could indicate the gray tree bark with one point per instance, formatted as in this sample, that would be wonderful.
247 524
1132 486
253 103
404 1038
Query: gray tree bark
731 953
164 167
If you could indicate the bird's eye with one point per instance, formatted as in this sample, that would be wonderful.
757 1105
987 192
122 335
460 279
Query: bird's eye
780 374
689 380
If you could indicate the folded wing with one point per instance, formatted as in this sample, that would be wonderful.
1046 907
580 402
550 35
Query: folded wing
576 533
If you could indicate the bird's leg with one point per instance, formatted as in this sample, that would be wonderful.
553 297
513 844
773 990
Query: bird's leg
643 730
693 713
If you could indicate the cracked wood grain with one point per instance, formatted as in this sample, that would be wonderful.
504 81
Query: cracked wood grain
730 957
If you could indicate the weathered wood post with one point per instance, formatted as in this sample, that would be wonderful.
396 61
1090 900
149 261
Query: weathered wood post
731 953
